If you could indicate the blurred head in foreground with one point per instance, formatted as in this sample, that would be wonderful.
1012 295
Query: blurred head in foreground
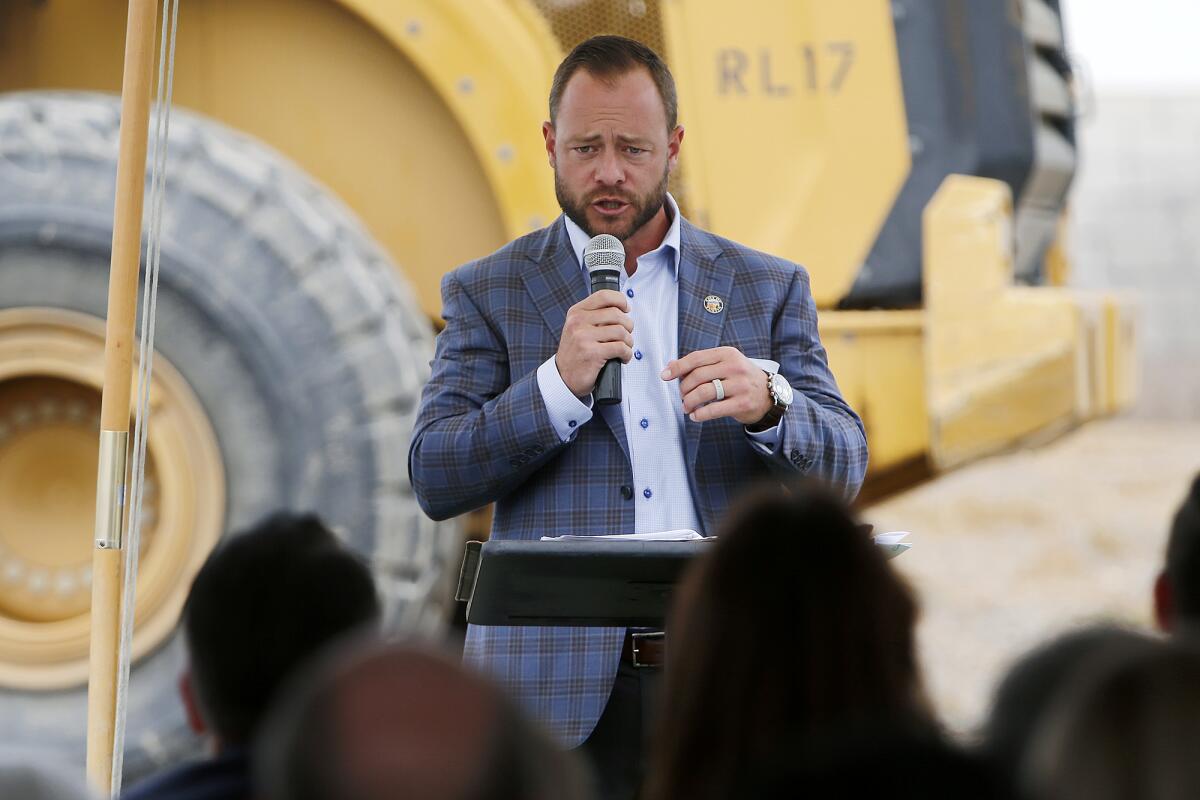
791 630
1177 591
392 721
265 602
1032 685
33 776
1127 727
893 762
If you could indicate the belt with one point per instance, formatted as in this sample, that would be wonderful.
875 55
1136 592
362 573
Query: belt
648 649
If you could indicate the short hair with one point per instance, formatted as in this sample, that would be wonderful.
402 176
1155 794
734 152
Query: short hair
1025 695
608 58
265 601
1183 557
1127 726
474 743
792 625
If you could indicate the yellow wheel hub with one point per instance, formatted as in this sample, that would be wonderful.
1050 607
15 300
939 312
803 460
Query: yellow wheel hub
51 368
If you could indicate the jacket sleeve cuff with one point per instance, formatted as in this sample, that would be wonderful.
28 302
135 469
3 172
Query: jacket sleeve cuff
767 442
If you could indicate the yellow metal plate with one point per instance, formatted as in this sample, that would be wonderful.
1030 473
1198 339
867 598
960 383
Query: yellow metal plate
878 358
1001 361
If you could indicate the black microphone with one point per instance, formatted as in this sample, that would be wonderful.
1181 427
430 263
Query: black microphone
604 258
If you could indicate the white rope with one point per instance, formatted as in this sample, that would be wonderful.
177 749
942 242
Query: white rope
162 121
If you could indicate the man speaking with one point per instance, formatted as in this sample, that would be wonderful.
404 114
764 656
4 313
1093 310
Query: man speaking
722 380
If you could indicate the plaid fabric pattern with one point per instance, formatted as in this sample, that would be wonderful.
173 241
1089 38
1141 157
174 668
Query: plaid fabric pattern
483 433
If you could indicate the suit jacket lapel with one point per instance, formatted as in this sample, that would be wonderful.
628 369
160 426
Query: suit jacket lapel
702 273
557 283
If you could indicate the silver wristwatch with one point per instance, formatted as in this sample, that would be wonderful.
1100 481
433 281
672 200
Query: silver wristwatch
781 396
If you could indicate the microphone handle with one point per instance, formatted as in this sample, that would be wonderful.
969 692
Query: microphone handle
608 384
607 391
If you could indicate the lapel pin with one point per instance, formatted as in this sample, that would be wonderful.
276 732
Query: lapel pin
713 304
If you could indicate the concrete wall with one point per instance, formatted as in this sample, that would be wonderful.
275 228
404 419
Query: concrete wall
1136 224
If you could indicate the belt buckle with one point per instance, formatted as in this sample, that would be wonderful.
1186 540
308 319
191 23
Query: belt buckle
638 638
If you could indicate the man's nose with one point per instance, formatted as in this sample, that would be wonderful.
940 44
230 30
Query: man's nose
609 170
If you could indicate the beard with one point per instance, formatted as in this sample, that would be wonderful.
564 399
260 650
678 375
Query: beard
644 207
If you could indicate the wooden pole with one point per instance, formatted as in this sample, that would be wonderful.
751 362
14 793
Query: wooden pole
108 557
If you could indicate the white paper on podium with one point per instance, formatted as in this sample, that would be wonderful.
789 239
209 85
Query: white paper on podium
681 535
893 543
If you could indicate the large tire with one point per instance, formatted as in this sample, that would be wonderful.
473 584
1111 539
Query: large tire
289 324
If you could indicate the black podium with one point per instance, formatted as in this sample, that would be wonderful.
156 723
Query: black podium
572 583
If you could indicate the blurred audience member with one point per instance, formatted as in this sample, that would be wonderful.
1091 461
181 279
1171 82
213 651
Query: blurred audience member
1177 590
32 776
263 603
1126 729
791 630
1032 685
396 723
892 762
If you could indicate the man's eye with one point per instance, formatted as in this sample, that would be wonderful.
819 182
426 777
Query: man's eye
635 151
584 149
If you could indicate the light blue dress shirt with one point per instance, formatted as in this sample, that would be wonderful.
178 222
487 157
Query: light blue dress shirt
652 408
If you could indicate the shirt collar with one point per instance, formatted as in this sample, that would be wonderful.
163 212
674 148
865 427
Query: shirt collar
579 239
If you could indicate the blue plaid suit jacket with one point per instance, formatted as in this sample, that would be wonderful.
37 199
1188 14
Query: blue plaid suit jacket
483 433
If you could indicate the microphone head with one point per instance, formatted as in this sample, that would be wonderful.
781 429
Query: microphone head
604 252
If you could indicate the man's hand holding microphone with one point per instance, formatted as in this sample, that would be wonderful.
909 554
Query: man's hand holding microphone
598 334
598 337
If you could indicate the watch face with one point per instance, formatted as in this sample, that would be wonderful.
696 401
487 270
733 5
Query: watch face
781 389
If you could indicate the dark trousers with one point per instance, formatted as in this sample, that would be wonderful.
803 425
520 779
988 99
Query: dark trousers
618 747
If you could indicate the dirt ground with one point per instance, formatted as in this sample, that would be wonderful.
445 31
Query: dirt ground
1013 549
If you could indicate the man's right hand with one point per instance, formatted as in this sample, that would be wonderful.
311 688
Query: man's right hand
597 328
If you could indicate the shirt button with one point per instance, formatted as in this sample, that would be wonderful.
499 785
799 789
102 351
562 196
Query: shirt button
629 292
646 493
637 354
627 492
645 423
571 424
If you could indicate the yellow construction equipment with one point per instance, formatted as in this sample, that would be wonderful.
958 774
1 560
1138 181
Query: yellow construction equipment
332 159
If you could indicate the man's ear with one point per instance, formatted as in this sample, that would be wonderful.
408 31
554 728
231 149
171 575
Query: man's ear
548 135
1164 603
191 705
673 143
